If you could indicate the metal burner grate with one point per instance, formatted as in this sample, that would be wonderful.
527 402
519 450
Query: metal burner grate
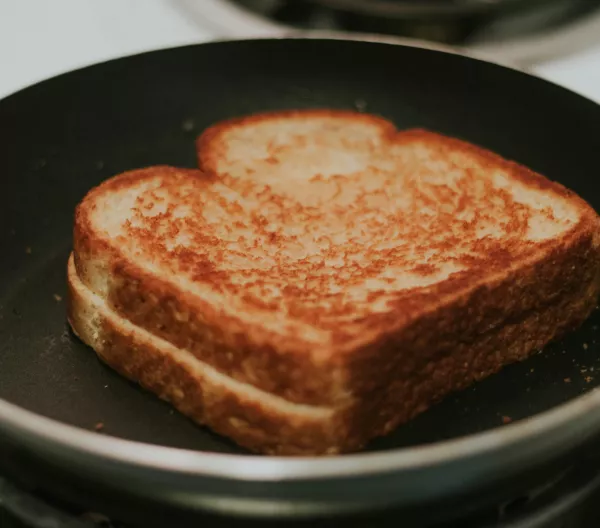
524 31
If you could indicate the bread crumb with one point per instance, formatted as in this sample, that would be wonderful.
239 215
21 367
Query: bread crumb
588 379
506 419
57 297
28 250
99 426
360 105
238 423
567 380
96 519
585 346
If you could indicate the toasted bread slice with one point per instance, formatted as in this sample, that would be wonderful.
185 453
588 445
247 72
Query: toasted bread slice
325 259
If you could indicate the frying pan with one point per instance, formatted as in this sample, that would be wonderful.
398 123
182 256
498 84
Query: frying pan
64 135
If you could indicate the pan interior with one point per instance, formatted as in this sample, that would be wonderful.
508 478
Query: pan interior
65 135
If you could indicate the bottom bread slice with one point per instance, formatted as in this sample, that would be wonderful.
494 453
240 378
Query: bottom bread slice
265 423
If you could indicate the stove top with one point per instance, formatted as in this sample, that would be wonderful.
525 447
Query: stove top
569 500
520 31
451 22
568 54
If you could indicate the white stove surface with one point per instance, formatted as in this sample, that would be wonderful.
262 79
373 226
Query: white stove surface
39 39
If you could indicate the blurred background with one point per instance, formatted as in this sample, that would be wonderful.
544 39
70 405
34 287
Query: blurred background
558 39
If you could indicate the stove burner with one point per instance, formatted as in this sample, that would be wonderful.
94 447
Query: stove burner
427 7
518 30
567 501
456 22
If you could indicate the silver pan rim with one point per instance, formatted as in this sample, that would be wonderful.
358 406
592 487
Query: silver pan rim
569 425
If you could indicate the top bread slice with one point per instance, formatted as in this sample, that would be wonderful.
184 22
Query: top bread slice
324 257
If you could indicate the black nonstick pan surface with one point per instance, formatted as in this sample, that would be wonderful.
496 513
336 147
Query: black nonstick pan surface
61 407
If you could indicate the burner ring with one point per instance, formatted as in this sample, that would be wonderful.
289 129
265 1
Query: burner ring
421 8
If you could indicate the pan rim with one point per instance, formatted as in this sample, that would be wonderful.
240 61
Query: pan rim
560 421
572 421
284 33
